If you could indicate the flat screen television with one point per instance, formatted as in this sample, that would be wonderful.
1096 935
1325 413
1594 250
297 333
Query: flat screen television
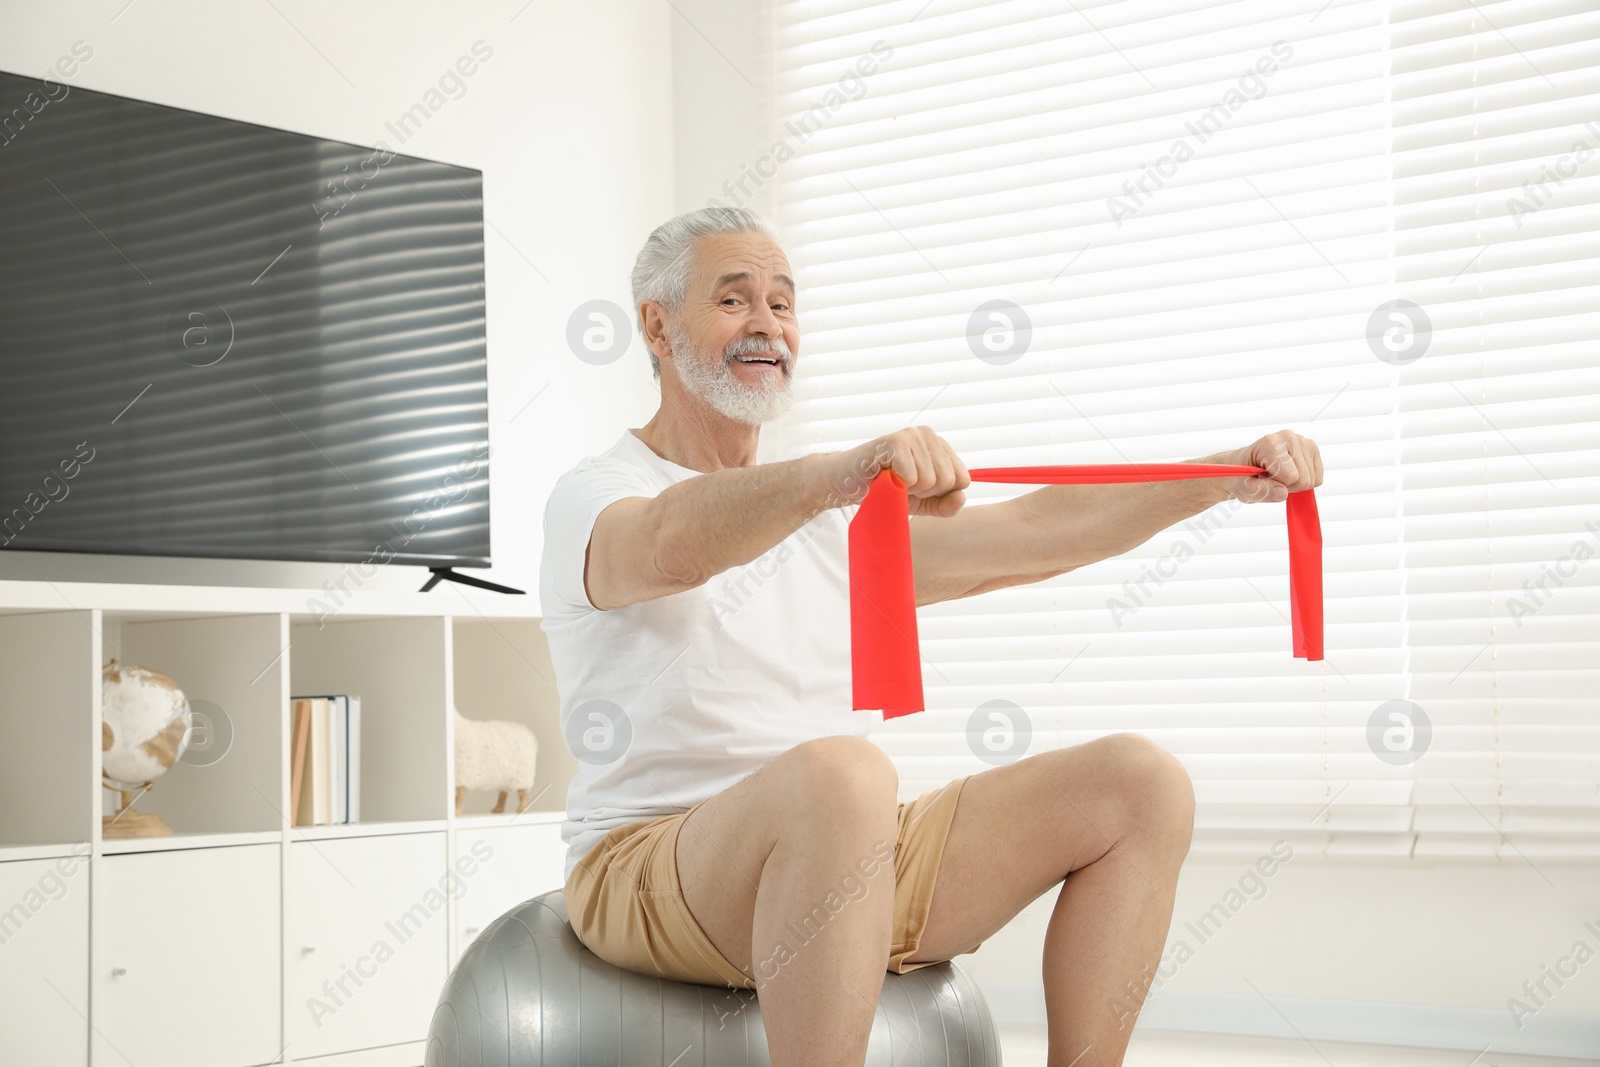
220 339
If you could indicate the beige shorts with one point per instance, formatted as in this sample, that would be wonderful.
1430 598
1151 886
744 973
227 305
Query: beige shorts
625 903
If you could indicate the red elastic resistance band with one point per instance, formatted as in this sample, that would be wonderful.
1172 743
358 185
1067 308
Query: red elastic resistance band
885 658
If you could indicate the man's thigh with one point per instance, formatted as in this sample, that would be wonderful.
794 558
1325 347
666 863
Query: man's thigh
1020 829
724 844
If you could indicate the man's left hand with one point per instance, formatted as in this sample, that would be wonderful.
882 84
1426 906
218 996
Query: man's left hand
1292 463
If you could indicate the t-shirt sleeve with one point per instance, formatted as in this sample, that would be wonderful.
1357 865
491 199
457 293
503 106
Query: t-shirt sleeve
577 499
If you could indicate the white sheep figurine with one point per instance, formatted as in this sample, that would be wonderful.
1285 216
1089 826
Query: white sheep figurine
494 755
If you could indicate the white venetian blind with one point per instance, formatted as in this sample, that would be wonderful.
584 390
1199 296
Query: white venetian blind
1497 210
1146 231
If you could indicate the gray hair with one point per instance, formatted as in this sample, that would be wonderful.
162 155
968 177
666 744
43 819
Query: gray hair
665 263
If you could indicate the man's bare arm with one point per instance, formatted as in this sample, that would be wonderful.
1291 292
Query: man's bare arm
1060 528
647 547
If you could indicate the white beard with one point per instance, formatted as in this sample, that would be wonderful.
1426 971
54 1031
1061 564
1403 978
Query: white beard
714 381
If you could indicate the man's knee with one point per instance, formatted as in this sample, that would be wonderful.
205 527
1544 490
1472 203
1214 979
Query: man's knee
846 771
1151 784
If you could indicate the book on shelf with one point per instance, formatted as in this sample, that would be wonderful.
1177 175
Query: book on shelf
352 781
325 772
300 736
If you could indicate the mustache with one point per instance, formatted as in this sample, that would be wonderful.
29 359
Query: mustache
754 346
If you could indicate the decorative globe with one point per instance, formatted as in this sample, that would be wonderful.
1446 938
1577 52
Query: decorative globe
145 723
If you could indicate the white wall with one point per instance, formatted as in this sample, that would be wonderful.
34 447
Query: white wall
571 122
722 91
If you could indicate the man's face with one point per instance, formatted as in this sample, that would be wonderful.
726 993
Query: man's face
737 342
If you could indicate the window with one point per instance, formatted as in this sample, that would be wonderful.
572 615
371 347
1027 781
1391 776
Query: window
1126 231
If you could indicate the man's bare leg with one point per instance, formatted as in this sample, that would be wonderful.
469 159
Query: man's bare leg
766 853
1113 818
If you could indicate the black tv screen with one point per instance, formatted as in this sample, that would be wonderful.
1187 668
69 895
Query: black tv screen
221 339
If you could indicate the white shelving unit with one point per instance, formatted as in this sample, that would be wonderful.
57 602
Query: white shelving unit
241 940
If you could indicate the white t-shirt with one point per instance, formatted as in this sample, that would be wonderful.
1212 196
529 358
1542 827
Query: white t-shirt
669 701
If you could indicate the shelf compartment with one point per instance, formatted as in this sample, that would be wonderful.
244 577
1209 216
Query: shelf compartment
201 930
44 938
399 669
49 729
507 865
366 942
502 670
232 670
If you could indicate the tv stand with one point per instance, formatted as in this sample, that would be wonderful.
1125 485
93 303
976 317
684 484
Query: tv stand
449 574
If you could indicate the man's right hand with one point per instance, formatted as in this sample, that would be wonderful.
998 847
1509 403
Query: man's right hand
933 473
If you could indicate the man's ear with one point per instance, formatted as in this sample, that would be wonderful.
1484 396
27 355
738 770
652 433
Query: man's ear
650 324
654 325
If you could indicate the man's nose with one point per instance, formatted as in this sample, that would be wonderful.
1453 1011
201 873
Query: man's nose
763 321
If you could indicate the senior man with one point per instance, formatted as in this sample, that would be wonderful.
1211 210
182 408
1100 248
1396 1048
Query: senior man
730 823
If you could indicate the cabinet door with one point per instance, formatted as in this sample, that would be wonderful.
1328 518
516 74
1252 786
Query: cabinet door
191 974
44 961
500 867
368 923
